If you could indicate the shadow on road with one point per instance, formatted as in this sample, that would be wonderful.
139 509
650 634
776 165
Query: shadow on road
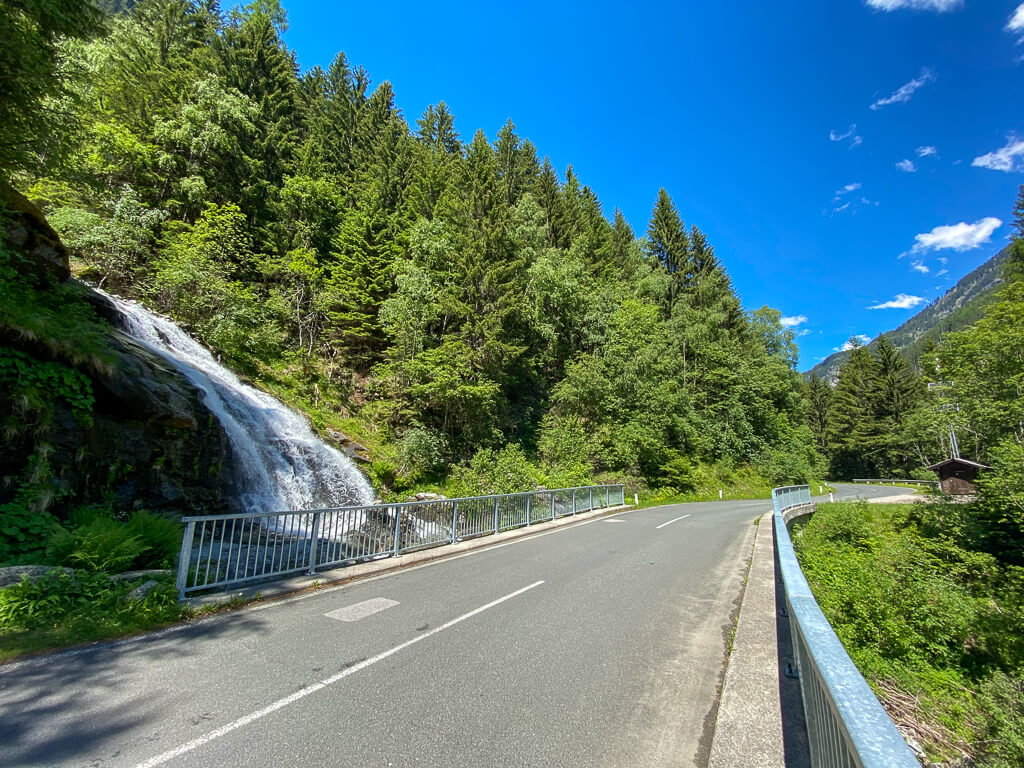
54 708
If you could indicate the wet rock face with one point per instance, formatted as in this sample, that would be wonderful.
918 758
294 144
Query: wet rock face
152 443
149 442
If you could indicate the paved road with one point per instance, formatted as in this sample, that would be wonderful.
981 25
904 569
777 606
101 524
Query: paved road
600 644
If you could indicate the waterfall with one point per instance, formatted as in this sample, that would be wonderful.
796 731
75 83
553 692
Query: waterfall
279 463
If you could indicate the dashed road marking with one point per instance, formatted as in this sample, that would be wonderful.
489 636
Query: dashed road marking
361 610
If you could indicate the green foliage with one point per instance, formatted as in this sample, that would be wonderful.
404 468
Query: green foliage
101 545
62 610
423 452
34 78
490 472
921 609
25 530
444 296
193 280
97 542
160 536
114 246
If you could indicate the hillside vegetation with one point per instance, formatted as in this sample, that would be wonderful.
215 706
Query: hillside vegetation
449 301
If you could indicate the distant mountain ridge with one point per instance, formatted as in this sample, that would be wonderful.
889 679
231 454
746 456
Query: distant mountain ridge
957 308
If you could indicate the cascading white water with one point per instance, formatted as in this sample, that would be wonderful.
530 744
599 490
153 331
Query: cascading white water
280 464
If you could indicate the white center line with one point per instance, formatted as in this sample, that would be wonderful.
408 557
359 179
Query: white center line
676 520
304 692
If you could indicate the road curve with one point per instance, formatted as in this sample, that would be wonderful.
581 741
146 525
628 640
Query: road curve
600 643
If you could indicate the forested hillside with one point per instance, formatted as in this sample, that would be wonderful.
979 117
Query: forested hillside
955 310
452 301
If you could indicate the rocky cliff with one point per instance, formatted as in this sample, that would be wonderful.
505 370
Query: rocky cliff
88 415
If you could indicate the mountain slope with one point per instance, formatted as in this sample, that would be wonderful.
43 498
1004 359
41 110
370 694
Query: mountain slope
957 308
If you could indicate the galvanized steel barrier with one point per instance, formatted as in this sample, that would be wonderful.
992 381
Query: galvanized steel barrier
882 481
228 550
846 725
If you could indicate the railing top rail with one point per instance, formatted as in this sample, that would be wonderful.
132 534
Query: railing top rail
872 735
893 480
386 504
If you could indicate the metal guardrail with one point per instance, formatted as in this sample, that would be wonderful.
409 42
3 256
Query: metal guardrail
884 481
228 550
846 725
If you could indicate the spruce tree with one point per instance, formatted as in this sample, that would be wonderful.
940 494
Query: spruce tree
669 246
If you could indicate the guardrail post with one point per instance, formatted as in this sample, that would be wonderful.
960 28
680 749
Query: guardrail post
553 494
574 501
495 514
591 500
398 530
528 497
185 558
314 543
455 516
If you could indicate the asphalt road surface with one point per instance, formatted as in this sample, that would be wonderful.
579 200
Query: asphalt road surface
597 644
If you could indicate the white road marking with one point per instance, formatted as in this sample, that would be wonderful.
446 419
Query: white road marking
361 610
613 520
676 520
304 692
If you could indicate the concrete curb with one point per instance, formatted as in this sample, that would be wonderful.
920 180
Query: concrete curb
748 730
344 574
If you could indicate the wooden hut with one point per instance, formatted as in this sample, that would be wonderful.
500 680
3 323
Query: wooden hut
957 477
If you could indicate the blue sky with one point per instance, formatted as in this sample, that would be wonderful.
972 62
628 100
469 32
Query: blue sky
832 151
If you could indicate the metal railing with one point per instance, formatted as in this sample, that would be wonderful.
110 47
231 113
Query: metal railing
888 481
228 550
846 725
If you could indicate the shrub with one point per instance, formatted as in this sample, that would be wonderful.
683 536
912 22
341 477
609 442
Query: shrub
423 452
84 606
100 545
161 537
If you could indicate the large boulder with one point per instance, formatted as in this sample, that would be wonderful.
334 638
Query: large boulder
27 230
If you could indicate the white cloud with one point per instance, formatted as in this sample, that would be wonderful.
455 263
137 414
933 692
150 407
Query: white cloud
919 266
905 91
902 301
851 134
862 337
926 151
1006 159
840 209
802 332
916 5
942 272
836 136
793 320
848 188
1016 24
957 237
907 166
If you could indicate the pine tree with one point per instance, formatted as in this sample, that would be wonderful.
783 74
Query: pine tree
818 395
669 246
32 126
853 428
517 163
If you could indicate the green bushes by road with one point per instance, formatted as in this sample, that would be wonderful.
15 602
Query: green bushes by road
933 615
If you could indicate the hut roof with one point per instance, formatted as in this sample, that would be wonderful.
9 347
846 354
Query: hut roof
962 462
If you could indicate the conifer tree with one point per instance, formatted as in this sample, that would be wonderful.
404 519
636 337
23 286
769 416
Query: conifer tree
669 246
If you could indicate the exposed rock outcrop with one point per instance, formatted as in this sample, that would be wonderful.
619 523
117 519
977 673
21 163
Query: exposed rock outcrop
148 441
